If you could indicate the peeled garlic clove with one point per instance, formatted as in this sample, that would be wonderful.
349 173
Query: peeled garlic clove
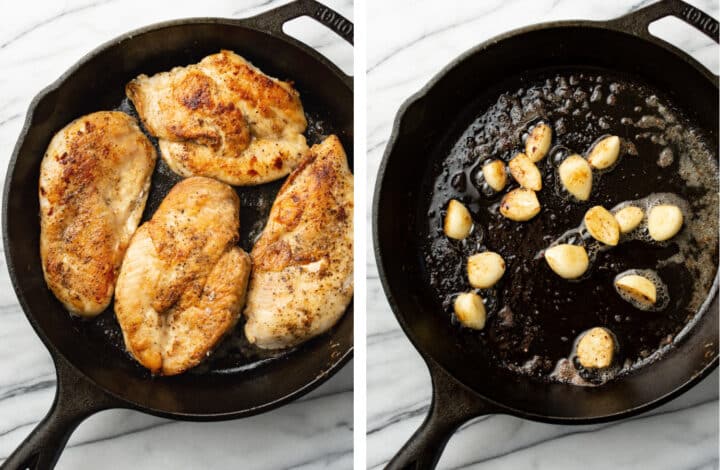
596 349
458 221
485 269
602 225
470 310
494 173
638 288
664 222
605 153
538 142
567 261
525 172
520 205
628 218
576 176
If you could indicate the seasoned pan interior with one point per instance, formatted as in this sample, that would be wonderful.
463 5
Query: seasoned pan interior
434 120
534 316
238 378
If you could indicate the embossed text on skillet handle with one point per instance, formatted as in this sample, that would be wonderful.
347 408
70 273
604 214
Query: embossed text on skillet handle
638 21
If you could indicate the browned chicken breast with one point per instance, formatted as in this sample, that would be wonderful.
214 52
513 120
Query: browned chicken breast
94 182
223 118
182 283
302 278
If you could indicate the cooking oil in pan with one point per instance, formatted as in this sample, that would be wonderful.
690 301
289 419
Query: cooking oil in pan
534 316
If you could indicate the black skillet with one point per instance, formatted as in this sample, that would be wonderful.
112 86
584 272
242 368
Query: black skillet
463 385
93 371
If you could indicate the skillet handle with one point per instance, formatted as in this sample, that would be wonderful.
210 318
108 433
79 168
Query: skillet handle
273 20
76 398
452 405
638 22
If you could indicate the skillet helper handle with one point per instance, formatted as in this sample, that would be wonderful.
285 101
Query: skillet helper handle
452 405
75 399
638 22
273 20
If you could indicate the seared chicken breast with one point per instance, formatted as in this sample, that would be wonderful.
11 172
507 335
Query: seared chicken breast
183 280
94 181
223 118
302 278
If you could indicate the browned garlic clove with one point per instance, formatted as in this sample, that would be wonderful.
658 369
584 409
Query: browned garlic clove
495 176
567 261
596 349
602 225
525 172
538 142
638 288
458 222
520 205
664 221
628 218
605 153
485 269
470 310
576 177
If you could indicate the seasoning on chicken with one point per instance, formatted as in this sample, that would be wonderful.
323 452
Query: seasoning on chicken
94 182
223 118
183 281
302 278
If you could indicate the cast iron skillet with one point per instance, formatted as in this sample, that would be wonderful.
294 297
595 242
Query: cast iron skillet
92 373
464 387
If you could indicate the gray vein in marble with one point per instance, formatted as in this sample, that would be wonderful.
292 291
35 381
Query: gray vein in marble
569 432
10 119
243 12
119 435
377 146
327 459
47 21
418 410
18 390
711 464
435 32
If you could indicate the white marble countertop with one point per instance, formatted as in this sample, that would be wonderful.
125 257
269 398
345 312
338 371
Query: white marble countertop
419 37
39 40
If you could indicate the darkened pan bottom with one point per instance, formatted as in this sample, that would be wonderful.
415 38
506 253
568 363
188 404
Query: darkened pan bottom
534 315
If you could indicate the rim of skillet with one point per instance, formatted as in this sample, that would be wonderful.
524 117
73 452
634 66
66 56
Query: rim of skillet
395 135
49 345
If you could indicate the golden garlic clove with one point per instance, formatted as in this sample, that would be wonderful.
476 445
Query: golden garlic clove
596 349
601 224
567 261
520 205
628 218
664 222
458 222
605 153
525 172
638 288
494 173
485 269
470 310
538 142
576 176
